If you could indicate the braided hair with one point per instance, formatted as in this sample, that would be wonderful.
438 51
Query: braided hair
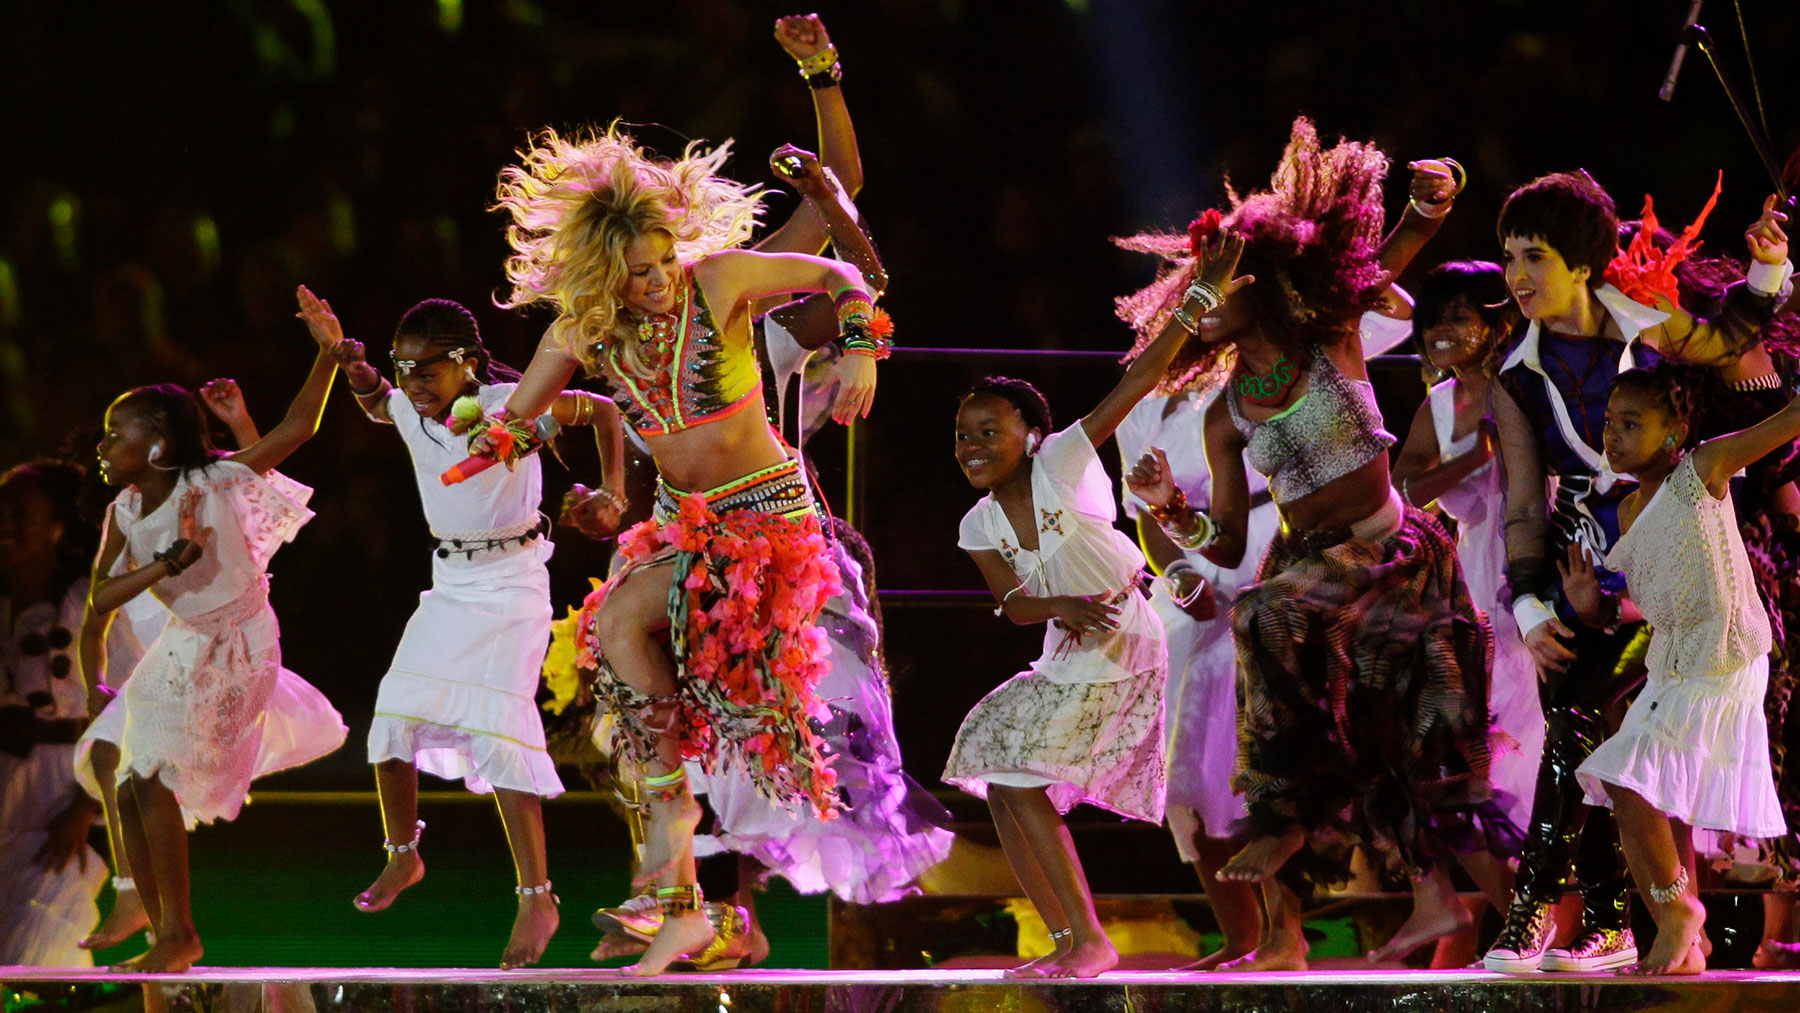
444 323
178 417
1663 385
1021 395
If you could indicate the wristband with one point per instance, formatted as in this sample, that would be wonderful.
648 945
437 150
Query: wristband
830 77
1529 612
819 62
1768 279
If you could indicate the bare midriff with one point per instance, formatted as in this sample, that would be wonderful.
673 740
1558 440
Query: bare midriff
713 453
1341 502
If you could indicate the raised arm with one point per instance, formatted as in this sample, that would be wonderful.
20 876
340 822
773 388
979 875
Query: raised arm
803 37
1748 307
1435 184
300 422
1215 280
1719 458
225 399
366 383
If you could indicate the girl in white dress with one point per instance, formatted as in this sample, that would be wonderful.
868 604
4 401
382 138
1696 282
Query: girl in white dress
1084 724
1693 749
459 700
196 530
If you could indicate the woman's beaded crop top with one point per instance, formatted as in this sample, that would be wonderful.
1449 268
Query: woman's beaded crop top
1330 432
700 374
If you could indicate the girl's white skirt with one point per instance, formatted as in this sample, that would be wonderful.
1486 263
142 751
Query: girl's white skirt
1696 749
460 699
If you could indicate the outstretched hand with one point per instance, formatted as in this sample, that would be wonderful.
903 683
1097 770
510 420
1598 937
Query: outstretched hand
1217 263
591 511
801 35
1151 480
319 319
224 399
1766 238
1581 582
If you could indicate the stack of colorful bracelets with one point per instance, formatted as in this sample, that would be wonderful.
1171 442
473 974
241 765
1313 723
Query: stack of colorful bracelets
1175 517
866 330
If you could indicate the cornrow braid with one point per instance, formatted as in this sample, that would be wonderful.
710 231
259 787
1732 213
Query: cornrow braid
1027 399
1660 383
445 323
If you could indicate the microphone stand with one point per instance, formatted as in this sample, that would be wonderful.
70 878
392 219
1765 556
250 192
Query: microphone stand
1701 39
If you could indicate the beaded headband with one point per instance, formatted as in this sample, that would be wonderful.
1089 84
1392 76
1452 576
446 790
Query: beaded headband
404 366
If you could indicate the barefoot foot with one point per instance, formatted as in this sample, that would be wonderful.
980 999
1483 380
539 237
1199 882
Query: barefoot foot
1212 960
1270 956
1772 955
617 944
1263 857
1084 960
1677 947
1034 968
172 954
532 928
403 870
126 919
1424 925
680 935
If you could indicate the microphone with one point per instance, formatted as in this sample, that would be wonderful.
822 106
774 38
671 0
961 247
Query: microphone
1667 91
543 431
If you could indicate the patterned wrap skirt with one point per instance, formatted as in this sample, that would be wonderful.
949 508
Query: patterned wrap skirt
1363 681
752 571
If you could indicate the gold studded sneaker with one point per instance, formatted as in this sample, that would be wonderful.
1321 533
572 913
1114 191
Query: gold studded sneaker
730 944
1523 938
639 918
1593 950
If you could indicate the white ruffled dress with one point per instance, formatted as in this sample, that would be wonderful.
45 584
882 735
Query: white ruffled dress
197 706
459 699
1695 742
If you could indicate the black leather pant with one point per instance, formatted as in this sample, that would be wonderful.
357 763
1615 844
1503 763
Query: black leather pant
1563 829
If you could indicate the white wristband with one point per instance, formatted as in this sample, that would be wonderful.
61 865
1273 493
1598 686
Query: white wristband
1529 612
1767 279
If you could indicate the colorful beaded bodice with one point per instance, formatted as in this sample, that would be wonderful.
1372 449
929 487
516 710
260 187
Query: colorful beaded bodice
699 374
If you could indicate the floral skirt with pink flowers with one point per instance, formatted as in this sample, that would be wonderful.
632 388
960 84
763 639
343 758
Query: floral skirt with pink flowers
751 573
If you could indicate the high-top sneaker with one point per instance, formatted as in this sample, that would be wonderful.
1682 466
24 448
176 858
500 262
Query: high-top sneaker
1523 938
1593 950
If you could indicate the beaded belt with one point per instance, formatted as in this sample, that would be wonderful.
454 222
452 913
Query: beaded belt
779 489
468 543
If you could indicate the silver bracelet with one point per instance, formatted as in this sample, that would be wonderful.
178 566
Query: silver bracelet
1205 533
1442 207
1188 323
1206 292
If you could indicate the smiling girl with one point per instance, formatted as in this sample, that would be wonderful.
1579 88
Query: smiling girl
459 698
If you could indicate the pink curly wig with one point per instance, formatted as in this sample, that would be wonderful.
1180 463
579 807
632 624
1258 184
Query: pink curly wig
1312 240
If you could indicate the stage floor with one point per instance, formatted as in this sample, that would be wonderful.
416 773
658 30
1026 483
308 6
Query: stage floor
393 990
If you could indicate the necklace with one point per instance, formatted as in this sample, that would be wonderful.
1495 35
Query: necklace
1267 390
1578 386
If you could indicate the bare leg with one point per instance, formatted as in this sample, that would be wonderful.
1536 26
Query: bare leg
1024 863
397 785
1437 912
1284 948
177 945
683 931
628 627
1650 850
1263 857
1236 905
1090 952
1458 949
137 851
127 918
522 814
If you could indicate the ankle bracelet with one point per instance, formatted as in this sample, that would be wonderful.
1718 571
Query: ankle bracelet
668 787
412 845
533 891
676 900
1061 934
123 883
1667 894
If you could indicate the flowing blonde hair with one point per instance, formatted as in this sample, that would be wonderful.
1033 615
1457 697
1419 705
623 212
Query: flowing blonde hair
1312 240
577 202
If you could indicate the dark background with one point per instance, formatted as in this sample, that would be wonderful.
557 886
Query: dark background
172 170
